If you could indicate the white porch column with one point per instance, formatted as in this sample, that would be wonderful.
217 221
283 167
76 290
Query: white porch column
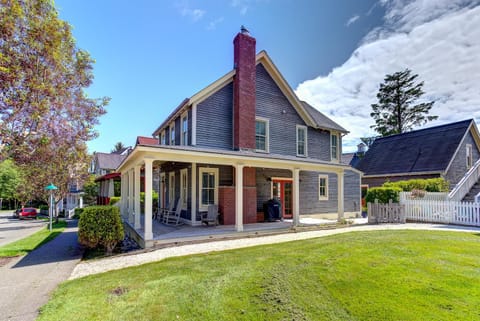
130 196
122 196
239 198
137 197
340 194
193 205
296 196
148 199
111 188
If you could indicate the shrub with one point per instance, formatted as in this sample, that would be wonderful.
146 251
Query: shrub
154 199
43 207
100 226
383 194
78 212
429 185
114 200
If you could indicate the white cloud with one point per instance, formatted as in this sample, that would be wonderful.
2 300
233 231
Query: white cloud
352 20
194 14
437 39
242 5
212 25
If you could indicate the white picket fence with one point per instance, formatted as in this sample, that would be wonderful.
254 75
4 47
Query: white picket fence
447 212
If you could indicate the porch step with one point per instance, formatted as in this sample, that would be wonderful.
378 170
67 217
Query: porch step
470 197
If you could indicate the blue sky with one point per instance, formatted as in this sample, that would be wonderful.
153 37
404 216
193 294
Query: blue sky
150 55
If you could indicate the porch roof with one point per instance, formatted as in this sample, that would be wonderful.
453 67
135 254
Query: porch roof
190 154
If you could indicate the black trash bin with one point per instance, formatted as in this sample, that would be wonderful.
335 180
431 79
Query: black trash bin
271 210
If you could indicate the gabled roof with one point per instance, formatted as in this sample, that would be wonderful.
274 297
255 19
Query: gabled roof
321 120
142 140
312 118
428 150
108 161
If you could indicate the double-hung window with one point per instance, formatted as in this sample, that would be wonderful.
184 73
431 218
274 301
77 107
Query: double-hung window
301 140
162 138
334 146
208 187
323 187
185 129
261 134
172 134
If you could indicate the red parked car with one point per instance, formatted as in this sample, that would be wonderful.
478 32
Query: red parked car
26 212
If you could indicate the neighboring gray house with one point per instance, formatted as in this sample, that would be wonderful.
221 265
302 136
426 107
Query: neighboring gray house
447 151
242 140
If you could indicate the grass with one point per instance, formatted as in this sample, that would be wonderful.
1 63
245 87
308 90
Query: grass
381 275
30 243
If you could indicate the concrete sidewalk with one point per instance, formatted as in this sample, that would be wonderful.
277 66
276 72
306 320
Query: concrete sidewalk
27 282
114 263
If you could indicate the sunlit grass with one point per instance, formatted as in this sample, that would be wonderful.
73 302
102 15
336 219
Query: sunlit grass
381 275
28 244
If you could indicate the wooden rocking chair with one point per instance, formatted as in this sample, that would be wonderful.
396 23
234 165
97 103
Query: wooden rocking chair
211 216
173 217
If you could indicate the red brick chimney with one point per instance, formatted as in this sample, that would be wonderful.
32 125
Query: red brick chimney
244 91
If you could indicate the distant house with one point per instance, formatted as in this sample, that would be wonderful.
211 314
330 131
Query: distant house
353 159
447 151
244 139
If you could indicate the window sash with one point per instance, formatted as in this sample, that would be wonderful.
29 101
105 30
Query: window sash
172 135
334 146
208 187
185 130
323 187
301 141
261 135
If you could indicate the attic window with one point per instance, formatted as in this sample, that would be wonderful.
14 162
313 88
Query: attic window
334 146
469 156
301 140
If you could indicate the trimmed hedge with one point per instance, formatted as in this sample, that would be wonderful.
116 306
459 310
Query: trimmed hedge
429 185
114 200
100 226
383 194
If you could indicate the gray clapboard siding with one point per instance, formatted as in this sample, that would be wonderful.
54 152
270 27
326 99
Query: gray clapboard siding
264 183
458 168
214 120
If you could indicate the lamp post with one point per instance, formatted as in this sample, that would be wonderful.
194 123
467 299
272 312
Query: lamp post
51 188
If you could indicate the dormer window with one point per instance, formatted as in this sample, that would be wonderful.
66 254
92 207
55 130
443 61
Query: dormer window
172 134
162 138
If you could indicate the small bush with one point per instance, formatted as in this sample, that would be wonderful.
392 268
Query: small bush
78 212
100 226
114 200
43 207
383 194
429 185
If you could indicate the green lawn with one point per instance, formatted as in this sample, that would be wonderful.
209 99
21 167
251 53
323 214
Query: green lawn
381 275
30 243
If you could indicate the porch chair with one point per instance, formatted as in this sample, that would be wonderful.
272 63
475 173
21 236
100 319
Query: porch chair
173 217
164 210
211 216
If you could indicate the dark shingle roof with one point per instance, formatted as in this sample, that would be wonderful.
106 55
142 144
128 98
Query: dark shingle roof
425 150
321 120
109 161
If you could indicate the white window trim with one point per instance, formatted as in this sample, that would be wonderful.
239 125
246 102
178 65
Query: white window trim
184 188
172 129
306 140
469 154
201 170
162 138
267 134
171 187
331 147
323 197
182 141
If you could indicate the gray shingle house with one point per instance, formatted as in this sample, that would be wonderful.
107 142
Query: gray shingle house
242 140
447 151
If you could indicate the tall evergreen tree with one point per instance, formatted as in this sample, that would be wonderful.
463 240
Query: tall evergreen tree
396 111
119 147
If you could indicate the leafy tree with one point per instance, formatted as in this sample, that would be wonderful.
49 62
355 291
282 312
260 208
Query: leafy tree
396 111
90 191
368 140
118 147
10 179
45 115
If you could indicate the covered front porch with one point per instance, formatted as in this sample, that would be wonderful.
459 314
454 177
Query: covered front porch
192 190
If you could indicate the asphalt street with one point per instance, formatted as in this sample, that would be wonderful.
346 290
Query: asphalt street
12 229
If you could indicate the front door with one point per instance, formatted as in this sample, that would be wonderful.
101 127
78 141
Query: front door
282 191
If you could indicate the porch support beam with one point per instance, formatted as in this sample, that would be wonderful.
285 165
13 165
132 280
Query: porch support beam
193 205
296 196
148 199
239 198
130 196
340 194
137 197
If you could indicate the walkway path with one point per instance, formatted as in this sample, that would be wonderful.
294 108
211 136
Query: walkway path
114 263
26 282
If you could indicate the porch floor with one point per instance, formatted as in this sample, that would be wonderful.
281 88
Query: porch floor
169 235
